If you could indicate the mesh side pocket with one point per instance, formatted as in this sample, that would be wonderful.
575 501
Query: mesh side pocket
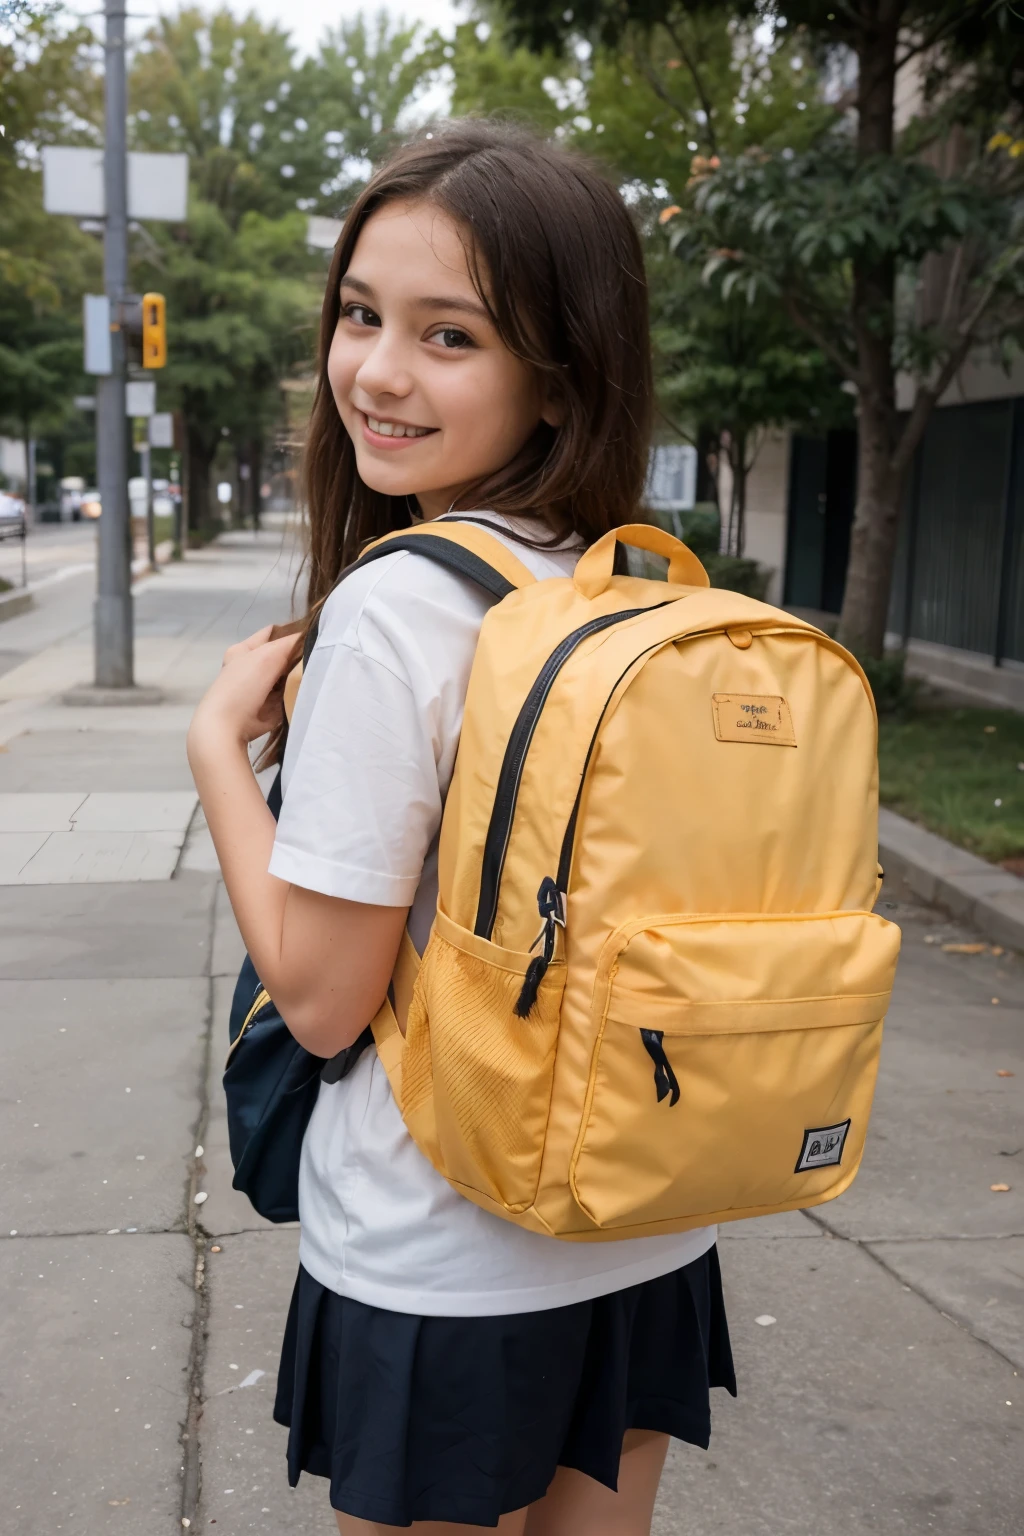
476 1079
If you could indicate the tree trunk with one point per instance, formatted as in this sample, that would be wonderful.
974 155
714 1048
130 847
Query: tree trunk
879 485
198 463
736 449
256 473
873 537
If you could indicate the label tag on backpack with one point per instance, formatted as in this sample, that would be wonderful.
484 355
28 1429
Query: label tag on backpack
823 1148
761 717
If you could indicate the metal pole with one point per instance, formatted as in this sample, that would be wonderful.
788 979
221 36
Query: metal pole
146 455
30 468
113 611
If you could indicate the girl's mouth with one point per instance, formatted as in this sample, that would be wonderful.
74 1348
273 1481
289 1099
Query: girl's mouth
380 433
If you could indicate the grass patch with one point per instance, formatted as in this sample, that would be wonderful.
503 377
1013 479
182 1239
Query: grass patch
948 768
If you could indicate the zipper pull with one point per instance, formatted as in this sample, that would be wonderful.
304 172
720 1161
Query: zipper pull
551 906
666 1084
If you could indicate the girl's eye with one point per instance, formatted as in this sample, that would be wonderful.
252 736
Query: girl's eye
452 339
361 315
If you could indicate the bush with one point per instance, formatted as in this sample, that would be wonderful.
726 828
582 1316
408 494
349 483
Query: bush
737 574
895 693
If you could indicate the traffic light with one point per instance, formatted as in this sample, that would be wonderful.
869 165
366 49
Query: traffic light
154 330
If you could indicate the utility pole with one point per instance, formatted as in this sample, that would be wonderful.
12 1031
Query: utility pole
113 621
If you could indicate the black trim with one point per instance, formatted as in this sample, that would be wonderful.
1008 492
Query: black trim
500 827
442 552
341 1065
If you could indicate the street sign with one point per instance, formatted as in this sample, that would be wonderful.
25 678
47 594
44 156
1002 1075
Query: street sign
139 397
73 184
161 430
96 315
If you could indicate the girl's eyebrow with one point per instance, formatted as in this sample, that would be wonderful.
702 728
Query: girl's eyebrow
463 306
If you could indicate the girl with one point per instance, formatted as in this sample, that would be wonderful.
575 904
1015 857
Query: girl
484 349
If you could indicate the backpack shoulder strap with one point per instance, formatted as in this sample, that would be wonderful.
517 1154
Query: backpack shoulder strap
465 548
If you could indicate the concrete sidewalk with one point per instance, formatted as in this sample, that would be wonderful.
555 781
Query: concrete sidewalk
879 1341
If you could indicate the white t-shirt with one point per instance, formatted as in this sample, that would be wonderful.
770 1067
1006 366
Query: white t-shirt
367 767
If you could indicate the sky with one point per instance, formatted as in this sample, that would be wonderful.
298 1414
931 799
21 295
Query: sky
306 20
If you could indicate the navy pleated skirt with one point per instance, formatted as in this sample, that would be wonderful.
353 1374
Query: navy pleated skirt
464 1419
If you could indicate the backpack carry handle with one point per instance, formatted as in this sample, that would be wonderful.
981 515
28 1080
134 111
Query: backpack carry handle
594 569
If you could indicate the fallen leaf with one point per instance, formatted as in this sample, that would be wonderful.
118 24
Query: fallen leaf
1000 1189
215 1248
1003 1072
997 950
964 949
990 730
995 1002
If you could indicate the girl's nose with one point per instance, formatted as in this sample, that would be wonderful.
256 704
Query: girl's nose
384 369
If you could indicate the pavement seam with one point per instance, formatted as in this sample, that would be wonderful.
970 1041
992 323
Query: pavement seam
191 1488
876 1258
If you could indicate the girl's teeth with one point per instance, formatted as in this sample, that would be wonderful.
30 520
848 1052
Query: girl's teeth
394 429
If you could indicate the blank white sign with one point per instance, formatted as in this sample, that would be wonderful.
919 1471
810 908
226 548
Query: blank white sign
161 430
140 397
73 184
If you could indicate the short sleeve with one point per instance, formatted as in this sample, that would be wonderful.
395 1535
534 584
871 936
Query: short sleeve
375 730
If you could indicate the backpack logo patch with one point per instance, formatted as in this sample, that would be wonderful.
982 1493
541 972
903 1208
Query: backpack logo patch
761 717
823 1148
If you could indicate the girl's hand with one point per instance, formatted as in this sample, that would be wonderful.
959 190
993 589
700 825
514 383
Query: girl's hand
246 701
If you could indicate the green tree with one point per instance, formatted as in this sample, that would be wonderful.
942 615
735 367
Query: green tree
269 141
734 369
654 105
842 234
48 94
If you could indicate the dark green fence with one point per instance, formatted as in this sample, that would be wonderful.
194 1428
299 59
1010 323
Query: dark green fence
960 572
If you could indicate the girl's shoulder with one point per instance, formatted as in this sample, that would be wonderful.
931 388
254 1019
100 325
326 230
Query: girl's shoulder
402 595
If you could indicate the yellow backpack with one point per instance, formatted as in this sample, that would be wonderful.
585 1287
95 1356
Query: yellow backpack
654 991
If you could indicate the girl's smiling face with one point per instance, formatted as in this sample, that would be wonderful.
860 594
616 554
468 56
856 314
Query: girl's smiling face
428 392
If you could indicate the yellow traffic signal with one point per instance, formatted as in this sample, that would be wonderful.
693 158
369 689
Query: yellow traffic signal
154 330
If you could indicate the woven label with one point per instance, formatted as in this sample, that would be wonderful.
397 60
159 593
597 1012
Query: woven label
762 717
823 1148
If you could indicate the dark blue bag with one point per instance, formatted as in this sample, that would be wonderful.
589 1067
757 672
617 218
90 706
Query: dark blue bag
271 1082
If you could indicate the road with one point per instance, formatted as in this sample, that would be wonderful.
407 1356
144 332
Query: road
50 550
879 1341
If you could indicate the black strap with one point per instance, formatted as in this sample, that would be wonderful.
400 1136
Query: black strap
443 552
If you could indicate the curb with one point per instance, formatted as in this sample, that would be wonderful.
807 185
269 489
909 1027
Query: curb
949 877
13 603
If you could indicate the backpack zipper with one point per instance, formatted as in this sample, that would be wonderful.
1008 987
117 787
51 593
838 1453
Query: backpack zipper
553 894
500 828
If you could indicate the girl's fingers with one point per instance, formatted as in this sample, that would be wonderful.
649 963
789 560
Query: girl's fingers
282 647
249 644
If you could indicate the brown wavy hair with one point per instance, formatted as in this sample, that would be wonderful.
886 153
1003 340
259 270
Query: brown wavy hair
557 263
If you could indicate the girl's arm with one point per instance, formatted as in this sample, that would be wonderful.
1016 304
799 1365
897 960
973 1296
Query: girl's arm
325 961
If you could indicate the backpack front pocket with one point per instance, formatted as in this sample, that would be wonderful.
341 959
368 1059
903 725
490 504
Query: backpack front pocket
734 1067
476 1077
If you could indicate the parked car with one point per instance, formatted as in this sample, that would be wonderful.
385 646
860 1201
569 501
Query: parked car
72 488
12 515
91 506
